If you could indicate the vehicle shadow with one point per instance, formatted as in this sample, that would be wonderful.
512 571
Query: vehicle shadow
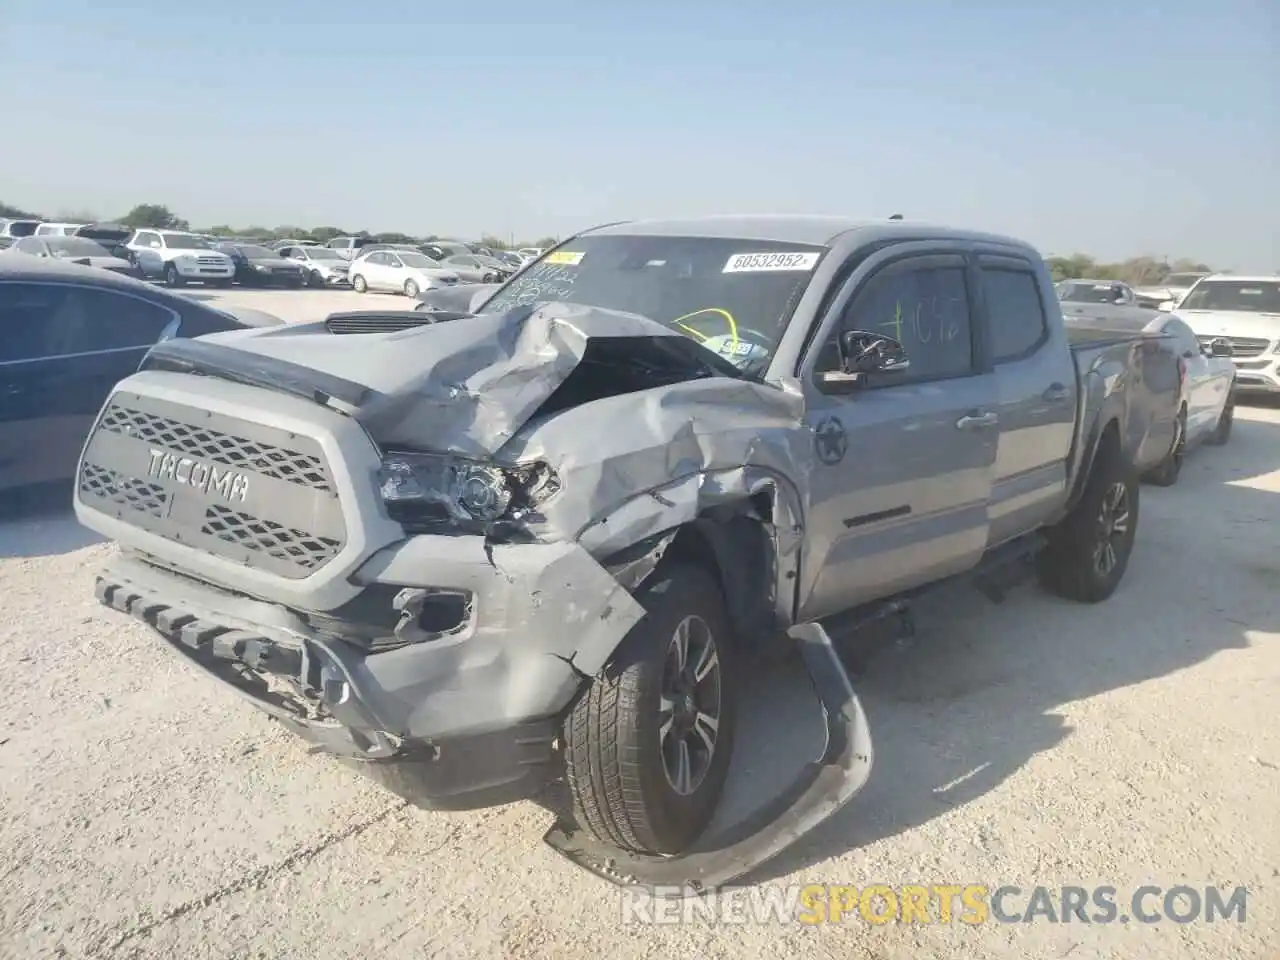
39 522
976 694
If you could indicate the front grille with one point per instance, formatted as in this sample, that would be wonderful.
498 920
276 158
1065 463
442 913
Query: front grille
211 261
207 444
243 491
1242 346
273 539
124 491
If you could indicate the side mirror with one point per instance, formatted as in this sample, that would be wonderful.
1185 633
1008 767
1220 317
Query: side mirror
863 352
1221 347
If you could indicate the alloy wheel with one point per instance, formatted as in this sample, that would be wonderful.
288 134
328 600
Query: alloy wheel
689 705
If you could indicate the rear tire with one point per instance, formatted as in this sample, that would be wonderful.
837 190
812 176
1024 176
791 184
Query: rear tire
633 784
1222 432
1166 473
1089 550
411 290
358 284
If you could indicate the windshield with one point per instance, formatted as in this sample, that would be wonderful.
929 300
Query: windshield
185 241
76 247
253 252
418 260
23 228
1246 296
1088 292
732 296
322 253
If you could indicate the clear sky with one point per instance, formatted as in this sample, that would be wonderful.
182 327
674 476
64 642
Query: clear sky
1114 128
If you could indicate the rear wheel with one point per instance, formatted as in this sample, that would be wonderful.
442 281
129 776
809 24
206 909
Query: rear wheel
1222 432
1089 550
358 284
1166 473
647 746
314 279
410 289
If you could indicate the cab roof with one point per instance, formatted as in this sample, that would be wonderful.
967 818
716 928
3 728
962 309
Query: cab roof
819 230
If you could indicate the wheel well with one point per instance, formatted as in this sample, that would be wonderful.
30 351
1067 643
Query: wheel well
734 543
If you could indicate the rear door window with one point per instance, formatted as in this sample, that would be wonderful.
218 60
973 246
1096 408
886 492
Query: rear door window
1015 312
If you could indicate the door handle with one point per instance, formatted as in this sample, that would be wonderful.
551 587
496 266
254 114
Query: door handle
1056 393
976 421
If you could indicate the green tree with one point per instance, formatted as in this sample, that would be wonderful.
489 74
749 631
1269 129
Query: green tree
393 237
17 213
155 216
492 242
323 234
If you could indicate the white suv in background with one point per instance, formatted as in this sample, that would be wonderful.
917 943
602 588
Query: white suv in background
177 257
1246 312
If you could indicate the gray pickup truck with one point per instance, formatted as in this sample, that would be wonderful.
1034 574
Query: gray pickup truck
475 554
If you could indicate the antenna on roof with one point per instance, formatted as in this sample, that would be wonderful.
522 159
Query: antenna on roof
896 216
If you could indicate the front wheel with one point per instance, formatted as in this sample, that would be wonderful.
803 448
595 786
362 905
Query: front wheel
647 746
358 284
410 289
1088 552
171 276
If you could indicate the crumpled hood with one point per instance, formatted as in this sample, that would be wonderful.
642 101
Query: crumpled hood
464 386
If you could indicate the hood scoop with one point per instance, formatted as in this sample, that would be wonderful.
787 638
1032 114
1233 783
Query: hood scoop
383 321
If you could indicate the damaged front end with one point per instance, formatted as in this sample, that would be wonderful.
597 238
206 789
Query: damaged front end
496 491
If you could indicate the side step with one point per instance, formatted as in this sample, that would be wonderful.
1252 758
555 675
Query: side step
822 787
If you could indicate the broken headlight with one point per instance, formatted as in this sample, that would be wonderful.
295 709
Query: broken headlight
423 491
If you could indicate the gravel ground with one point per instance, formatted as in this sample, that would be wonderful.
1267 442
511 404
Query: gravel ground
145 811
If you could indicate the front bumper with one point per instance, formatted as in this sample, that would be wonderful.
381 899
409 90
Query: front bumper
1260 375
272 664
447 714
203 271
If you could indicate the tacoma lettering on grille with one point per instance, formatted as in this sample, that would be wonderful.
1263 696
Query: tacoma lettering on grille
241 490
204 443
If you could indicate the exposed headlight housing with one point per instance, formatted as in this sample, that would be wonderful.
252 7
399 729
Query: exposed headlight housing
426 492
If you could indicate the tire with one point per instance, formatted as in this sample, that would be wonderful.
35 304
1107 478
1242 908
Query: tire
358 284
314 280
1069 565
171 276
620 767
1222 432
1166 473
411 290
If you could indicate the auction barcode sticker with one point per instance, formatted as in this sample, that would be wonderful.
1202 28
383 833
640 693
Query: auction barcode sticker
569 258
750 262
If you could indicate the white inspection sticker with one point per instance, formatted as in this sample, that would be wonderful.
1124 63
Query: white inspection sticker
750 262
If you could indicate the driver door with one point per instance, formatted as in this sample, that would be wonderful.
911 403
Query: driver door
903 466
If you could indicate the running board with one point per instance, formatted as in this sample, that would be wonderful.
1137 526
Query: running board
822 788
